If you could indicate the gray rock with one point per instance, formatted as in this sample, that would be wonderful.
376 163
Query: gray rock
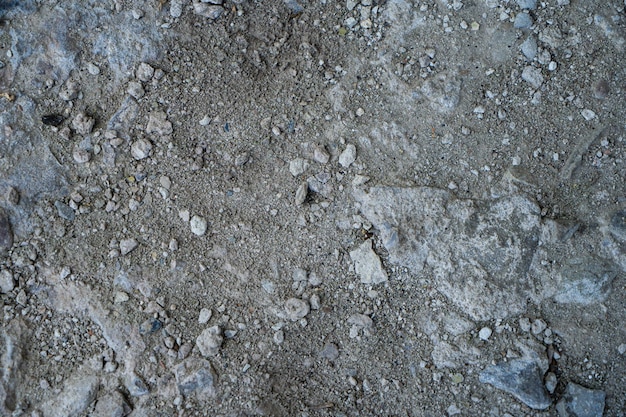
78 393
618 225
198 225
585 281
522 21
367 264
210 341
298 166
128 245
522 378
176 8
532 76
209 11
6 233
111 405
136 386
579 401
64 211
348 156
135 89
527 4
296 309
195 376
529 48
158 123
330 352
140 149
83 124
7 282
144 72
479 251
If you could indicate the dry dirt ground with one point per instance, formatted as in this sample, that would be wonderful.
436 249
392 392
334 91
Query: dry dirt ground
313 208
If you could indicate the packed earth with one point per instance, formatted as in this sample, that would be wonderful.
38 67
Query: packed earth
313 208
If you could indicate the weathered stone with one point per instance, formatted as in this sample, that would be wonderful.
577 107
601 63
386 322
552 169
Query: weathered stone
367 264
579 401
195 376
210 341
520 377
6 234
479 251
585 281
111 405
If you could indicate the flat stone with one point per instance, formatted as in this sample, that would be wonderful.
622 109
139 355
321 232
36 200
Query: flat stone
195 376
128 245
209 11
522 21
64 211
585 281
112 404
204 316
529 48
367 264
532 76
330 352
7 282
348 156
296 309
79 391
158 123
485 333
140 149
458 240
527 4
210 341
579 401
520 377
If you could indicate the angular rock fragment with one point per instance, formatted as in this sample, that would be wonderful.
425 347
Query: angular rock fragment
585 281
111 405
367 264
522 378
579 401
210 341
158 123
195 376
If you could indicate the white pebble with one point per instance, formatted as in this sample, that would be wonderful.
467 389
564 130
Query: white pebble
484 333
145 72
588 114
140 149
81 155
210 341
128 245
198 225
296 309
205 121
204 316
298 166
538 326
348 156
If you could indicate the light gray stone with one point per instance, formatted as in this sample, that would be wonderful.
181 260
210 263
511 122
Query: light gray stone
158 123
522 21
83 124
579 401
128 245
348 156
195 376
7 282
529 48
79 391
198 225
367 264
210 341
111 405
144 72
585 281
140 149
460 242
532 76
527 4
296 309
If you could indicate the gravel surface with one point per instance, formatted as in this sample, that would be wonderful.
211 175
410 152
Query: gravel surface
288 208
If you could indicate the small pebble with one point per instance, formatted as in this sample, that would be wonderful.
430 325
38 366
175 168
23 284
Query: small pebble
601 89
524 324
204 316
140 149
551 382
279 337
523 21
83 124
330 352
198 225
348 156
298 166
538 326
588 114
128 245
210 341
81 155
135 90
320 155
301 193
484 333
7 283
144 72
622 348
296 309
